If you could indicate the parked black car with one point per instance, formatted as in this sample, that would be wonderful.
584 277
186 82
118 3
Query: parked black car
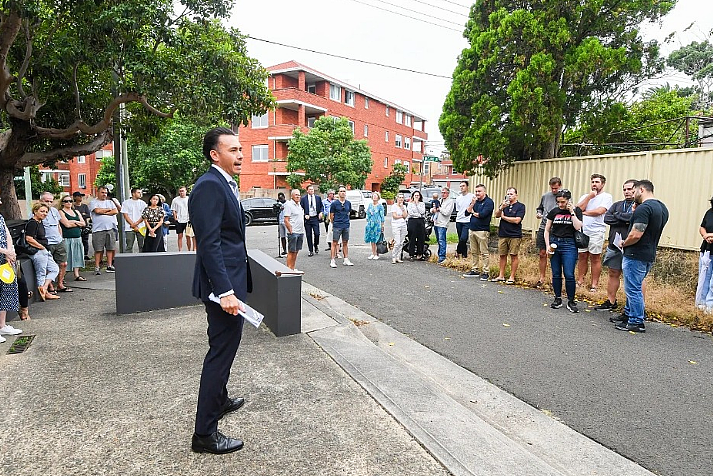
260 210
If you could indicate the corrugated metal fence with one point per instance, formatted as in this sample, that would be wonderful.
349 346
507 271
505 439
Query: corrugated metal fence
682 178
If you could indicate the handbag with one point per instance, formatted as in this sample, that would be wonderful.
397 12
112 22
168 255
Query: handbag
580 239
382 247
22 247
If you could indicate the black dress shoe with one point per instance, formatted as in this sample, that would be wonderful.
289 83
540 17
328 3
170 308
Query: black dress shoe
217 443
316 250
310 254
230 406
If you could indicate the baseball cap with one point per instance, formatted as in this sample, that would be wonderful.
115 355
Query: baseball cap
77 194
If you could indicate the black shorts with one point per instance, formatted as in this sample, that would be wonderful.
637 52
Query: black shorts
540 240
181 227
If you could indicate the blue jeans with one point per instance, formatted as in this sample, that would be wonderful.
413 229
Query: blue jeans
441 238
462 229
704 291
45 267
634 272
564 261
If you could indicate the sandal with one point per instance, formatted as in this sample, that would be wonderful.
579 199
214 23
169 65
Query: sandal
43 294
80 278
497 280
510 281
65 290
539 284
51 296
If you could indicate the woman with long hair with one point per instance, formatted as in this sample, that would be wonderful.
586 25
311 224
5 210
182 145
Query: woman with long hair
153 217
46 270
398 227
72 223
704 292
374 224
416 226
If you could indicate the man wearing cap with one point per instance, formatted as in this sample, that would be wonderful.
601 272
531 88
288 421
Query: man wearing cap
83 209
134 227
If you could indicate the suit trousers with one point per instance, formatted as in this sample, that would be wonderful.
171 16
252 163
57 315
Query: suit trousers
312 225
224 334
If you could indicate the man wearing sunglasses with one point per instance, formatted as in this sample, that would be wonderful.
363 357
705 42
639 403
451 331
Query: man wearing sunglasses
339 216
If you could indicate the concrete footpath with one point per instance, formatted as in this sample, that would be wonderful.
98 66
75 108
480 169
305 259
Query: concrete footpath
98 393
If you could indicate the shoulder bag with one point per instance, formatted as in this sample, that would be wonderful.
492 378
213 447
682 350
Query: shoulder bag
22 247
580 239
382 247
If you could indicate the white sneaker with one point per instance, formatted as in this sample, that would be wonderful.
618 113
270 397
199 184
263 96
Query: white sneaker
393 260
370 257
9 330
376 257
2 339
399 260
332 264
347 262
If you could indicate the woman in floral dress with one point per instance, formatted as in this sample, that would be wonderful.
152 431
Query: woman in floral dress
374 223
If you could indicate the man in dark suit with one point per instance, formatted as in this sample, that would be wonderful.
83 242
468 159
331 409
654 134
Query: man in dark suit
221 280
312 205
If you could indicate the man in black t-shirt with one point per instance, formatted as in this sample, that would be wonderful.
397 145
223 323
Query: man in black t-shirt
646 226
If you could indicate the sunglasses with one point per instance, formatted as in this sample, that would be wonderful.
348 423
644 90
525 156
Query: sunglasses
66 201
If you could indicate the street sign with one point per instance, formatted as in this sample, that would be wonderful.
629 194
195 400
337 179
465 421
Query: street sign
431 158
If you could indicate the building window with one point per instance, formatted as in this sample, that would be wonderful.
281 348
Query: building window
386 162
386 136
366 130
387 111
366 103
260 153
82 159
407 143
310 121
408 167
82 180
399 117
348 98
335 92
312 88
98 155
417 145
351 126
397 140
427 168
408 120
63 180
259 122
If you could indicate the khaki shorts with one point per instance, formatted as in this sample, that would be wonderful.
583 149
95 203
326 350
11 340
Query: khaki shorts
104 239
58 252
596 244
509 246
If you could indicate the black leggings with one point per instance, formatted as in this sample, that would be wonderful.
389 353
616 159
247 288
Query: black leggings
22 291
416 236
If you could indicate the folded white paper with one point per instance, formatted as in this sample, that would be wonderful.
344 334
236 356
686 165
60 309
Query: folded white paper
250 314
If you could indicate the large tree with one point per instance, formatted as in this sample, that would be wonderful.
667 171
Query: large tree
67 66
534 67
328 155
696 60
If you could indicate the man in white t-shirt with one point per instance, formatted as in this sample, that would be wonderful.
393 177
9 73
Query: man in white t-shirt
179 207
295 227
103 211
463 220
593 205
131 209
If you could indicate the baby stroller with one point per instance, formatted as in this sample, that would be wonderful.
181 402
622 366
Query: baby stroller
429 230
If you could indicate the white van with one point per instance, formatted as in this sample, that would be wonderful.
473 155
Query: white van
359 203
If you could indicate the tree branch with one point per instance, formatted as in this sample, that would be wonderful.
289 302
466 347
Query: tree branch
35 158
26 61
80 126
9 28
78 104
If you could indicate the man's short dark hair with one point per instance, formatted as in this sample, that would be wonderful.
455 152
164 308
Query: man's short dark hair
480 185
134 189
555 180
645 184
102 187
599 176
211 139
465 182
631 180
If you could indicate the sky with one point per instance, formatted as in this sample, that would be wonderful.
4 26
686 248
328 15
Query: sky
420 35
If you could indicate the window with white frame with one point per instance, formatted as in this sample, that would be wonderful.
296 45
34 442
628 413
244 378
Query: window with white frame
63 179
417 145
82 159
310 121
407 143
98 155
351 126
82 180
312 88
259 122
366 130
366 102
259 153
427 168
387 111
386 136
407 120
386 162
348 97
408 167
397 140
399 117
335 92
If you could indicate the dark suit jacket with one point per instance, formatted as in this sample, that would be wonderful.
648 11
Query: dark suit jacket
304 201
219 225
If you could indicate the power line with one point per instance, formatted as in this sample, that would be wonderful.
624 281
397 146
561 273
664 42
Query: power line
457 4
419 13
440 8
408 16
350 59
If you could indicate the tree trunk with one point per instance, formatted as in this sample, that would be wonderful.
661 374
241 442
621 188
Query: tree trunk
10 208
15 147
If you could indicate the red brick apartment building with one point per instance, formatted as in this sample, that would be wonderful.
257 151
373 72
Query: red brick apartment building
394 134
79 173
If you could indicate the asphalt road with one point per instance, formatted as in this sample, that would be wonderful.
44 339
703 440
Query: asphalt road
647 396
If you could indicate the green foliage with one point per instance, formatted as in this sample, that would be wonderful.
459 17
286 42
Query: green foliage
328 155
37 185
534 69
75 61
696 60
393 181
388 195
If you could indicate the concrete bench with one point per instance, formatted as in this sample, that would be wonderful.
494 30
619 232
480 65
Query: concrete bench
151 281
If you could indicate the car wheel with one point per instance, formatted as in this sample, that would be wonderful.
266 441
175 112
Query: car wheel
362 212
248 219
